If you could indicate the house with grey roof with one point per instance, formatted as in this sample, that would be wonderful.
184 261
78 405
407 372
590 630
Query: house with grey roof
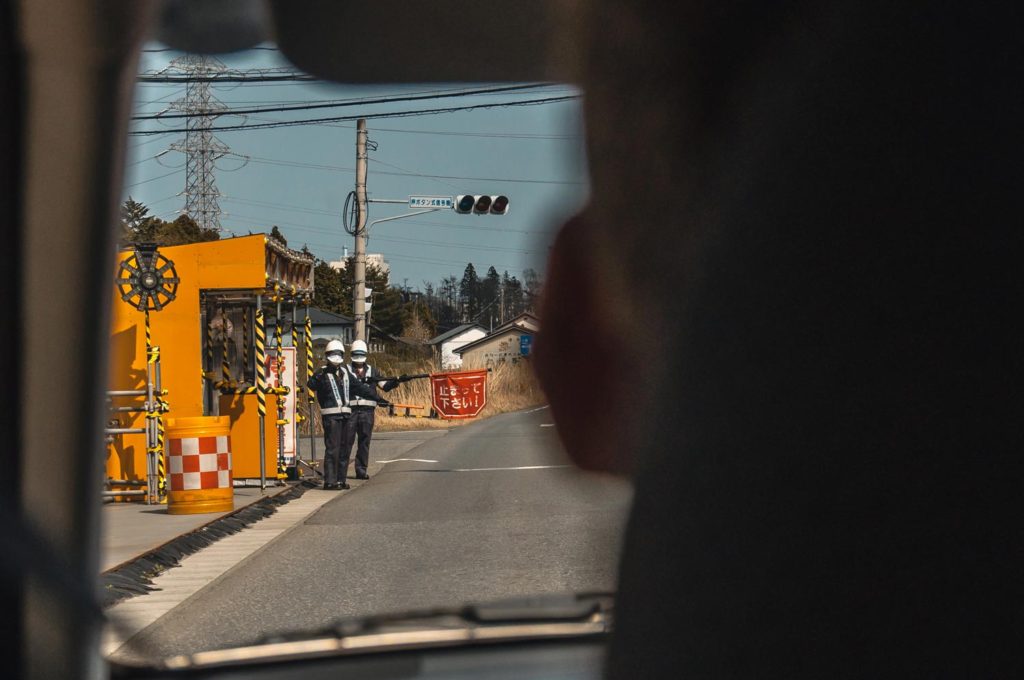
445 345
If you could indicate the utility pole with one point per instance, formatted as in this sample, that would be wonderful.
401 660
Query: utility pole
359 262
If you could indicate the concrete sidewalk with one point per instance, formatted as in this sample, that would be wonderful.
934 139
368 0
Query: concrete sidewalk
130 530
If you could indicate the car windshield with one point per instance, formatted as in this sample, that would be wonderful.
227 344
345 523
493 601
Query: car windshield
321 396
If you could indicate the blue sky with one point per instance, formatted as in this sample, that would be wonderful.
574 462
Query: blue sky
298 177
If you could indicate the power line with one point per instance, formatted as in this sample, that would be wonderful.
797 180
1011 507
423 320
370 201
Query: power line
285 207
154 50
393 114
352 102
337 230
184 80
337 168
153 179
321 245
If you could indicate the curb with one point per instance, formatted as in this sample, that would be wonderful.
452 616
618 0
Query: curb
135 576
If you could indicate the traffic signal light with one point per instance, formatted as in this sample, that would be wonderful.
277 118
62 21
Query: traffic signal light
481 205
499 205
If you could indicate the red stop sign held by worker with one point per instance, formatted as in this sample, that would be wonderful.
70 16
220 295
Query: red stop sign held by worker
459 395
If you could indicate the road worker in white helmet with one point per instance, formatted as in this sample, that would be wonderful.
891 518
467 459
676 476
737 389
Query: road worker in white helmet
335 390
361 422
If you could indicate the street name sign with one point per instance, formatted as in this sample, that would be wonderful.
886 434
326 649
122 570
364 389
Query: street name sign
431 202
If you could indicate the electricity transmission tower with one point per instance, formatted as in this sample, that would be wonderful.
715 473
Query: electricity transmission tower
201 148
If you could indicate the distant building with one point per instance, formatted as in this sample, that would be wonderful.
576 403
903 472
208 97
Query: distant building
375 259
525 321
445 345
504 344
326 325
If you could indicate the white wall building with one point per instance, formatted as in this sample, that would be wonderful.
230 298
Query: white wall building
375 259
445 344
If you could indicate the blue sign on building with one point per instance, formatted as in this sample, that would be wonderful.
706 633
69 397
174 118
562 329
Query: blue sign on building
525 343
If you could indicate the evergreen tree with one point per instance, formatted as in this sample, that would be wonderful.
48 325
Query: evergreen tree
448 301
386 312
183 230
532 290
138 226
329 294
513 296
490 289
469 291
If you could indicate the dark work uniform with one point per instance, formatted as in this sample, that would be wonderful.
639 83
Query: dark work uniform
335 388
363 409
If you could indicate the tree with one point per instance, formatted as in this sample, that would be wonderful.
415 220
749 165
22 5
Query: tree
532 286
469 290
386 312
138 226
448 301
276 233
184 230
490 289
136 222
329 291
418 323
512 292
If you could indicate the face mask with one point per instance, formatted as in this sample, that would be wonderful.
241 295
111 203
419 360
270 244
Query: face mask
336 359
359 359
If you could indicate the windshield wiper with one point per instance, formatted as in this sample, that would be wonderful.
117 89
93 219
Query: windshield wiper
530 618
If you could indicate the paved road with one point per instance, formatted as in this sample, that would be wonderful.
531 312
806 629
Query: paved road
497 513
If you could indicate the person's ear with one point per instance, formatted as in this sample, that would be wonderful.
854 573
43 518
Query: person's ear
574 357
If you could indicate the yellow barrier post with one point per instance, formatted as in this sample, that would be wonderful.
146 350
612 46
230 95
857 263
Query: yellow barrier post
279 369
259 334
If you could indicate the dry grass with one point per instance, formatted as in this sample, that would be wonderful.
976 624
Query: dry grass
510 387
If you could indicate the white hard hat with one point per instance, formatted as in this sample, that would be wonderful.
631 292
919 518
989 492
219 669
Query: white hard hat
358 352
335 352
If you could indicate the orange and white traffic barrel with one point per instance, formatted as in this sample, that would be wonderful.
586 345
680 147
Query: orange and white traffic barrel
199 465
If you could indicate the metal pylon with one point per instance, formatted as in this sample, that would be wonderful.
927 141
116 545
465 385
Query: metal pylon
201 148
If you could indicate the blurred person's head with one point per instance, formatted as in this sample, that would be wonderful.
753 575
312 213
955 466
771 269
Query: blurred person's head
803 217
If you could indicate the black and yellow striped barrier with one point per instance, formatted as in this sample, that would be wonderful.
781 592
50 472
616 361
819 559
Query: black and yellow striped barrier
245 343
282 472
308 333
155 410
259 334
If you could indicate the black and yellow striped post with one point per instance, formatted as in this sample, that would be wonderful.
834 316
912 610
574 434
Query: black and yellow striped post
209 340
260 338
245 343
307 334
295 331
162 408
298 416
282 473
225 364
154 406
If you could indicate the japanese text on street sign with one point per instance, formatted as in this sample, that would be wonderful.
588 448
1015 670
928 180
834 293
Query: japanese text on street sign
459 395
431 202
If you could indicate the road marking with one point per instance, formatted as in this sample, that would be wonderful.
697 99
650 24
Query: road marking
541 408
406 460
521 467
547 424
199 569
